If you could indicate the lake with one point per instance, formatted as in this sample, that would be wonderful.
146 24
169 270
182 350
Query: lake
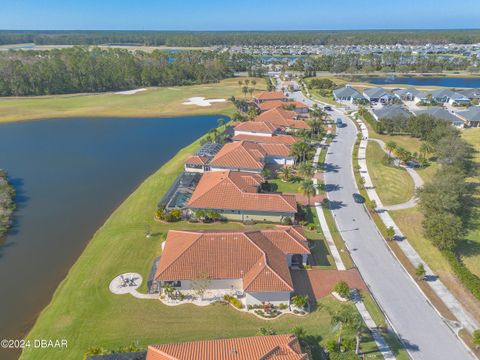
70 174
425 81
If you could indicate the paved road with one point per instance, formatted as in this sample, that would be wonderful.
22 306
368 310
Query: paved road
417 323
424 332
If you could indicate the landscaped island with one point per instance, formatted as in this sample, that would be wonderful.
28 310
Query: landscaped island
7 203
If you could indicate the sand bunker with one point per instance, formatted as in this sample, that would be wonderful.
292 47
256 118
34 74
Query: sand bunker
201 101
130 92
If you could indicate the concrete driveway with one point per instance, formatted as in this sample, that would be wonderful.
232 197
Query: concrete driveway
424 332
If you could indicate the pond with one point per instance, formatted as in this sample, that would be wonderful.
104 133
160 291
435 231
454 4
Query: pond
70 174
452 82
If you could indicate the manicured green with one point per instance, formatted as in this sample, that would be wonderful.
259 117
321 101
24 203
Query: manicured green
84 312
393 184
165 101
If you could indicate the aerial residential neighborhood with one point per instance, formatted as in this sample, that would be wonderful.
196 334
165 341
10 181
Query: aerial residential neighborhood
270 181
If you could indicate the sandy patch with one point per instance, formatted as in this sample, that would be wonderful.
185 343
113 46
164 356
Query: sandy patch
130 92
201 101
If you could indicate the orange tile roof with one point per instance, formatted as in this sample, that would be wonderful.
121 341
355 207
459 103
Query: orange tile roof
257 257
267 105
275 149
235 190
282 117
240 155
257 127
275 139
196 160
270 95
272 347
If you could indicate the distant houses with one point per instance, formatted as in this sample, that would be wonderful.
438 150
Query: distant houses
449 96
269 96
471 116
411 94
442 114
378 95
347 93
391 112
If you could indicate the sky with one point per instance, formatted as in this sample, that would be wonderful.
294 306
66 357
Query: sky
235 15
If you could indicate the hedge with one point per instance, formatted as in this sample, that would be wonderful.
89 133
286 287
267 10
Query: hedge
470 280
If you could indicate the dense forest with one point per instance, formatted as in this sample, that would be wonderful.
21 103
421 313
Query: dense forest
81 69
209 38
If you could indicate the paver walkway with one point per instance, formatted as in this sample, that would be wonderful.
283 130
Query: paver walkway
465 319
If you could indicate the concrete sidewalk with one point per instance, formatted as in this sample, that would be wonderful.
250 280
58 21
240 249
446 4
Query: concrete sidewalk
465 319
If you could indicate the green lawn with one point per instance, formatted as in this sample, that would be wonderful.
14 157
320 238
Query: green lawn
470 248
84 312
165 101
289 186
394 185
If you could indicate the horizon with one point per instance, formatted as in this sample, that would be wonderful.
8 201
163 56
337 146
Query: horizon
251 30
215 15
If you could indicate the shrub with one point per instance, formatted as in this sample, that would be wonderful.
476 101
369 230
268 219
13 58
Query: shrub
266 331
331 345
476 338
286 221
470 280
342 289
283 306
350 355
299 301
348 344
420 272
234 301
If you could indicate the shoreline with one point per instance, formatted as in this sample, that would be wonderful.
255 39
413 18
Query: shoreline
180 155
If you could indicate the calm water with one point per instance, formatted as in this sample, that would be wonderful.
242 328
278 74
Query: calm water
426 81
70 175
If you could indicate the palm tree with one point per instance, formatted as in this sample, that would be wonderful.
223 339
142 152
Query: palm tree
247 82
250 91
305 169
245 91
307 188
346 318
300 149
240 83
285 173
221 122
254 83
426 148
390 146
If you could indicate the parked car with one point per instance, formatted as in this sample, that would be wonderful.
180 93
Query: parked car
328 108
359 199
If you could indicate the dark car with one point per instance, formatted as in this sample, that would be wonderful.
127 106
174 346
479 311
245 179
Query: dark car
340 123
359 199
328 108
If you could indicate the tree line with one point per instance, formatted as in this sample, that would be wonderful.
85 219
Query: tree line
7 203
81 69
210 38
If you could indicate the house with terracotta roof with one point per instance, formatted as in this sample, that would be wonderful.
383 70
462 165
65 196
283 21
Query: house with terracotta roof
269 96
235 196
250 156
298 107
274 139
252 265
257 128
200 160
272 347
284 118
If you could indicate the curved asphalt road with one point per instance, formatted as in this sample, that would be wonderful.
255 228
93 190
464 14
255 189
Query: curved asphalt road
421 328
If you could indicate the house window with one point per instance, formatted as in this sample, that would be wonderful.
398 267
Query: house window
173 283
